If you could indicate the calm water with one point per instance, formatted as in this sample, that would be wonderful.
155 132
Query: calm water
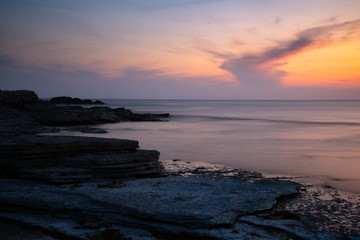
319 140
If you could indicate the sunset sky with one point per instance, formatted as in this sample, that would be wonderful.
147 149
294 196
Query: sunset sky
182 49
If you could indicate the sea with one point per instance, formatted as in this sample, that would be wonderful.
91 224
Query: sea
314 142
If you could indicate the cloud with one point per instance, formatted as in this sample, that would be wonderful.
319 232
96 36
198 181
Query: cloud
259 70
147 84
209 47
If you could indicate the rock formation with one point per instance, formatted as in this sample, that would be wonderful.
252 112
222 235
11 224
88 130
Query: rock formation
212 202
23 112
98 188
152 208
68 159
70 100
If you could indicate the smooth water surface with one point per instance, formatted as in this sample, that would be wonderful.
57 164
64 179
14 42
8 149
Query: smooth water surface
317 139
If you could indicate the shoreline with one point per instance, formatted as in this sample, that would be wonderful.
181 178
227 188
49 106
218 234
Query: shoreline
340 185
311 201
96 188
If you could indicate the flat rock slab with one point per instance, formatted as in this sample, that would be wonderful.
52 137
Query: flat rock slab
69 159
191 201
50 146
168 204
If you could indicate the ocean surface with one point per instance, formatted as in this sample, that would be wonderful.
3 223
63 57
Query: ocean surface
314 141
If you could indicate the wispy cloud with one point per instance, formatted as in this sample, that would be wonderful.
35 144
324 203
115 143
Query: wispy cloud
259 70
209 47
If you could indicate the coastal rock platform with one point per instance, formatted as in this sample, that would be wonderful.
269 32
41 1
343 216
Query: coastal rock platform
69 159
22 112
98 188
185 207
201 201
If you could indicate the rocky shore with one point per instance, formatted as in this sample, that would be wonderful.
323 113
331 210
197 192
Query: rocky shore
70 100
22 112
95 188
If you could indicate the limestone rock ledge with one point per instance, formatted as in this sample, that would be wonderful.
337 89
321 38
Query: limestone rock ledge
23 112
221 203
160 208
68 159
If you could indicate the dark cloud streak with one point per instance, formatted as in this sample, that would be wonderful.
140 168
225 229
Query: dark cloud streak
258 70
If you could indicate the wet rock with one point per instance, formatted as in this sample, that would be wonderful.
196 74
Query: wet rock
182 168
201 206
193 206
290 226
326 210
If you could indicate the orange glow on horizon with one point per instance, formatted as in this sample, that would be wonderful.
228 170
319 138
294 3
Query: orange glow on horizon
335 65
177 66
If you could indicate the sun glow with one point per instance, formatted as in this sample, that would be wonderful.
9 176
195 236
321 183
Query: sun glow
331 65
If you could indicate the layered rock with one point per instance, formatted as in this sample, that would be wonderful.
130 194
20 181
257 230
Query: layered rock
23 112
213 202
64 159
159 208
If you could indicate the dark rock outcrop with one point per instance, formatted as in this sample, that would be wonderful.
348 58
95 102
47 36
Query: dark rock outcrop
14 121
23 112
17 99
66 159
70 100
70 115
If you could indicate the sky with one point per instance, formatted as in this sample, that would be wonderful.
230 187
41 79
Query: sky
182 49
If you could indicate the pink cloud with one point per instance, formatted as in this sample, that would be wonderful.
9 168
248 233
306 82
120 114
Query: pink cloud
259 70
